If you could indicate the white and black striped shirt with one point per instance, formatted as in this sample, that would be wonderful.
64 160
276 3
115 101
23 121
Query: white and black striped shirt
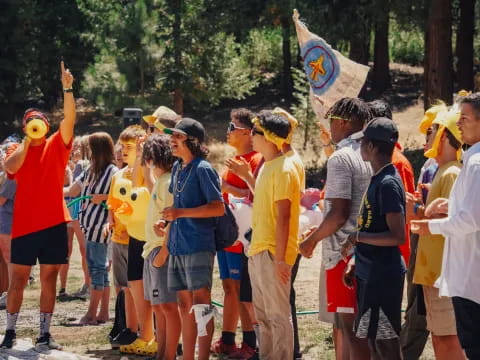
92 217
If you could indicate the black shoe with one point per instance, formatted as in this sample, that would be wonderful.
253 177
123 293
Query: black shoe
126 337
45 343
179 350
9 340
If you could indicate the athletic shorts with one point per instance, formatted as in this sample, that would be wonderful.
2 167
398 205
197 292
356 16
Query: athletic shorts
135 259
340 298
155 287
245 284
440 314
229 265
120 264
48 246
190 272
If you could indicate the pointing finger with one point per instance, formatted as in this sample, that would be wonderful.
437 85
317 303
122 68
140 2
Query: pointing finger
62 66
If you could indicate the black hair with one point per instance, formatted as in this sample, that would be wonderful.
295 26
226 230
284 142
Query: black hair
474 101
383 147
380 108
244 117
452 139
353 109
275 123
157 149
197 149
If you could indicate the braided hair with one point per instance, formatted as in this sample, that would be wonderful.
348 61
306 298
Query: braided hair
353 109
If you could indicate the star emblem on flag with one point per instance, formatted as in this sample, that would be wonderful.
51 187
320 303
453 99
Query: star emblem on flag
317 68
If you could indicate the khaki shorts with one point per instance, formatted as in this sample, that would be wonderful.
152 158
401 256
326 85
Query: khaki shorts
440 314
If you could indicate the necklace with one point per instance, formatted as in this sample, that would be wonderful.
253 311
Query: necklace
383 167
176 189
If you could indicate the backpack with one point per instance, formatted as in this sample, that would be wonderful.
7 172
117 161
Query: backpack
226 231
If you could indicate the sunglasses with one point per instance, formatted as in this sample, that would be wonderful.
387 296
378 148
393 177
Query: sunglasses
255 131
233 127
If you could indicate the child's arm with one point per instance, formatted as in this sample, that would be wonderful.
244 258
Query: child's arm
394 237
234 190
72 190
148 178
282 230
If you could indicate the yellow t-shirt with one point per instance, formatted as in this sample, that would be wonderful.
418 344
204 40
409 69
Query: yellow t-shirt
428 264
159 199
298 163
277 180
119 233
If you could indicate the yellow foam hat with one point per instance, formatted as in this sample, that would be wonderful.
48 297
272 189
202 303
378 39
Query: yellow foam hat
430 115
445 120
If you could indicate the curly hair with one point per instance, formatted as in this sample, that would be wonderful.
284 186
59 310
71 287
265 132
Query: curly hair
157 149
197 149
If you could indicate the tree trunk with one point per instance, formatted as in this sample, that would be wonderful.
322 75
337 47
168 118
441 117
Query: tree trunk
287 57
438 53
381 70
177 55
464 49
359 48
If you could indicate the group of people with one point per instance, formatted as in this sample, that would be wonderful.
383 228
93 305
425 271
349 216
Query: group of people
149 208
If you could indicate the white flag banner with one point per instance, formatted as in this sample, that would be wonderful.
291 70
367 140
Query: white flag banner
331 75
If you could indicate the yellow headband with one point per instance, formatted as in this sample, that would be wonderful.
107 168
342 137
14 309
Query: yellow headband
128 142
445 120
270 136
291 119
430 115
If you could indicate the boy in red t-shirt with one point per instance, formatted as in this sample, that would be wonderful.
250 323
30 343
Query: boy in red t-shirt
230 260
40 216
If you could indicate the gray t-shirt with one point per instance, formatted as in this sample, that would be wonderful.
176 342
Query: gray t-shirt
348 177
7 190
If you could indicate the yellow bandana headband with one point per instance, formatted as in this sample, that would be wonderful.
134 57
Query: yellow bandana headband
291 119
270 136
445 120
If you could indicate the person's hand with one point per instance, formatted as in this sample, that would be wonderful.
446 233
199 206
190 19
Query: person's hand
283 271
425 186
325 135
26 142
438 207
411 200
308 245
139 145
97 198
420 227
349 274
239 167
161 258
348 246
106 229
170 213
159 227
67 77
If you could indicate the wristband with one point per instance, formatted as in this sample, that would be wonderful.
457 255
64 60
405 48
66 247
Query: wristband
67 90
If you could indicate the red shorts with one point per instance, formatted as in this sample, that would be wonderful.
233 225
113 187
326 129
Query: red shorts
340 299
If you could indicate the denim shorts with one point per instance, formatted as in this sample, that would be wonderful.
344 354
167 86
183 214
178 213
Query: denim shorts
97 264
190 272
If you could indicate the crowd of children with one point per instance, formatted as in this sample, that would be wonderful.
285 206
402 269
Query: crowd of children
148 209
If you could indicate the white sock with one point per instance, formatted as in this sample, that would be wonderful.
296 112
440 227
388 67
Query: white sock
45 323
12 321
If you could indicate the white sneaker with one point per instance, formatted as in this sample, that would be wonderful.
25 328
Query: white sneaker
3 301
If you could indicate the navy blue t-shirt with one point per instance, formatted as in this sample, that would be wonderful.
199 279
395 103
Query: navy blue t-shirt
385 195
194 185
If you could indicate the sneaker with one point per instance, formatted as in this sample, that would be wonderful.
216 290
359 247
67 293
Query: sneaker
62 294
3 301
9 340
219 347
31 280
45 343
244 353
126 337
83 292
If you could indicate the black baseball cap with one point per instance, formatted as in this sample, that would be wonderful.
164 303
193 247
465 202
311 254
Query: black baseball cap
189 127
380 129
